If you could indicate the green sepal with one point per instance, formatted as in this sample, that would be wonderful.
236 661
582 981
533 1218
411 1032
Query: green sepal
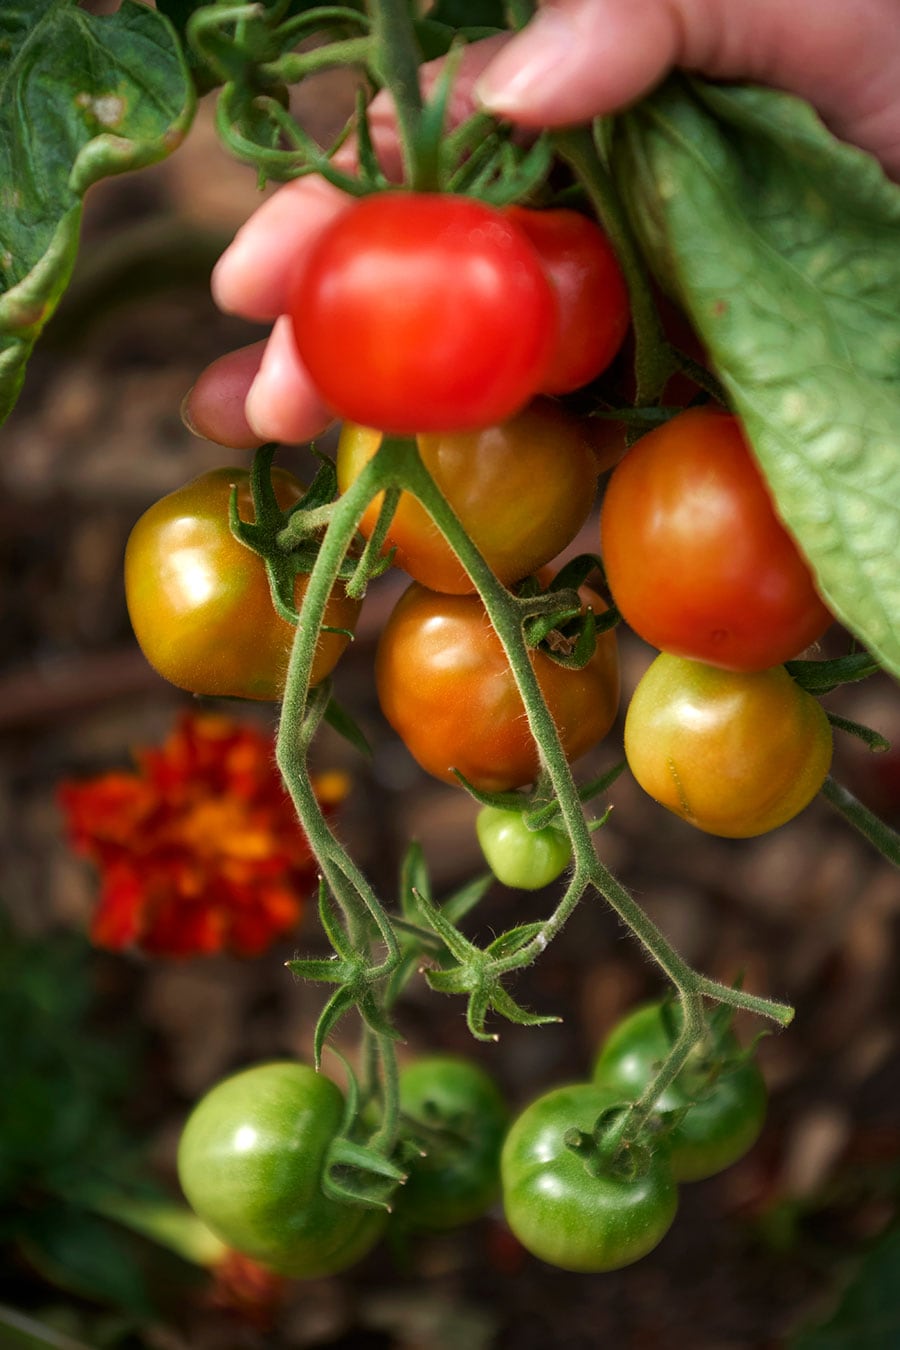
821 677
873 739
359 1175
338 718
542 815
474 975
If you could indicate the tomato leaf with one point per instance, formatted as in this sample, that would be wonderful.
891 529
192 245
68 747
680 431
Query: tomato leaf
81 98
781 244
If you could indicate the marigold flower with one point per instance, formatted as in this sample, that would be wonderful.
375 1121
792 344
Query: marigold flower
248 1291
200 849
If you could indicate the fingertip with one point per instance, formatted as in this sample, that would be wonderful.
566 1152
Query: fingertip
214 407
578 59
282 404
253 277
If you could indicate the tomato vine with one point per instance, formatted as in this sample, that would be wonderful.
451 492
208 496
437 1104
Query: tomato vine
308 543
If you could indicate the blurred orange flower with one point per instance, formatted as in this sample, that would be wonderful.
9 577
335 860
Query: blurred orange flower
248 1291
200 849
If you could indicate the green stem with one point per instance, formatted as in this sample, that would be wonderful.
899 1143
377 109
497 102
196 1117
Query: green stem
395 63
653 362
350 888
886 840
295 66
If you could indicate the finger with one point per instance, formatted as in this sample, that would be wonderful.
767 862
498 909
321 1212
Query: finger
282 403
214 407
253 276
580 58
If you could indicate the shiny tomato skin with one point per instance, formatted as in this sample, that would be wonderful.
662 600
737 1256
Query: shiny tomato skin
446 688
734 753
519 857
568 1214
723 1109
696 558
251 1159
424 312
591 294
199 600
522 490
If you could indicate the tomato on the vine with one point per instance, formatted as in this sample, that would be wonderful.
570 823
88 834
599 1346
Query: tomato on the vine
591 294
199 600
518 856
521 489
251 1161
734 753
424 312
455 1116
696 558
447 689
722 1096
571 1207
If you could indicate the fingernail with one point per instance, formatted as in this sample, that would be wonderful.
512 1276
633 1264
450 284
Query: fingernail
534 63
186 415
229 264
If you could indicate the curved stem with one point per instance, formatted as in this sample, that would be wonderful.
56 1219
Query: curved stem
351 889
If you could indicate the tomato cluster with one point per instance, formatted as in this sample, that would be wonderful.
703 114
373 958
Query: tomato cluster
576 1195
443 320
700 566
254 1151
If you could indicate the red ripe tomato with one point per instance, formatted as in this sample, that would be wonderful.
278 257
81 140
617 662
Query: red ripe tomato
522 490
696 558
424 312
446 688
590 292
199 600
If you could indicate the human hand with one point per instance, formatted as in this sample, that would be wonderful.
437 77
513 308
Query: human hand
575 60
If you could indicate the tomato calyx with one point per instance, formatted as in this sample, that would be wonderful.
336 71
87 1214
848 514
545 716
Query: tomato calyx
265 534
479 971
610 1148
555 617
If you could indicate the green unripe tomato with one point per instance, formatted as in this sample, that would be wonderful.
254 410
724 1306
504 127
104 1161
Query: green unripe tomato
519 857
567 1210
725 1109
250 1162
455 1117
734 753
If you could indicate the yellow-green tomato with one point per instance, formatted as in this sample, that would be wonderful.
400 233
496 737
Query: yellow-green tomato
199 600
251 1160
568 1206
734 753
522 489
517 856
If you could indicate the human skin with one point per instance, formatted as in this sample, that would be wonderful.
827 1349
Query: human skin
575 60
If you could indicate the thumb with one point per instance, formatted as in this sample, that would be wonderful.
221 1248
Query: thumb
581 58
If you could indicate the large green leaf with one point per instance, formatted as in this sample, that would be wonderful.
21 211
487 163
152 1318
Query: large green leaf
81 98
783 244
